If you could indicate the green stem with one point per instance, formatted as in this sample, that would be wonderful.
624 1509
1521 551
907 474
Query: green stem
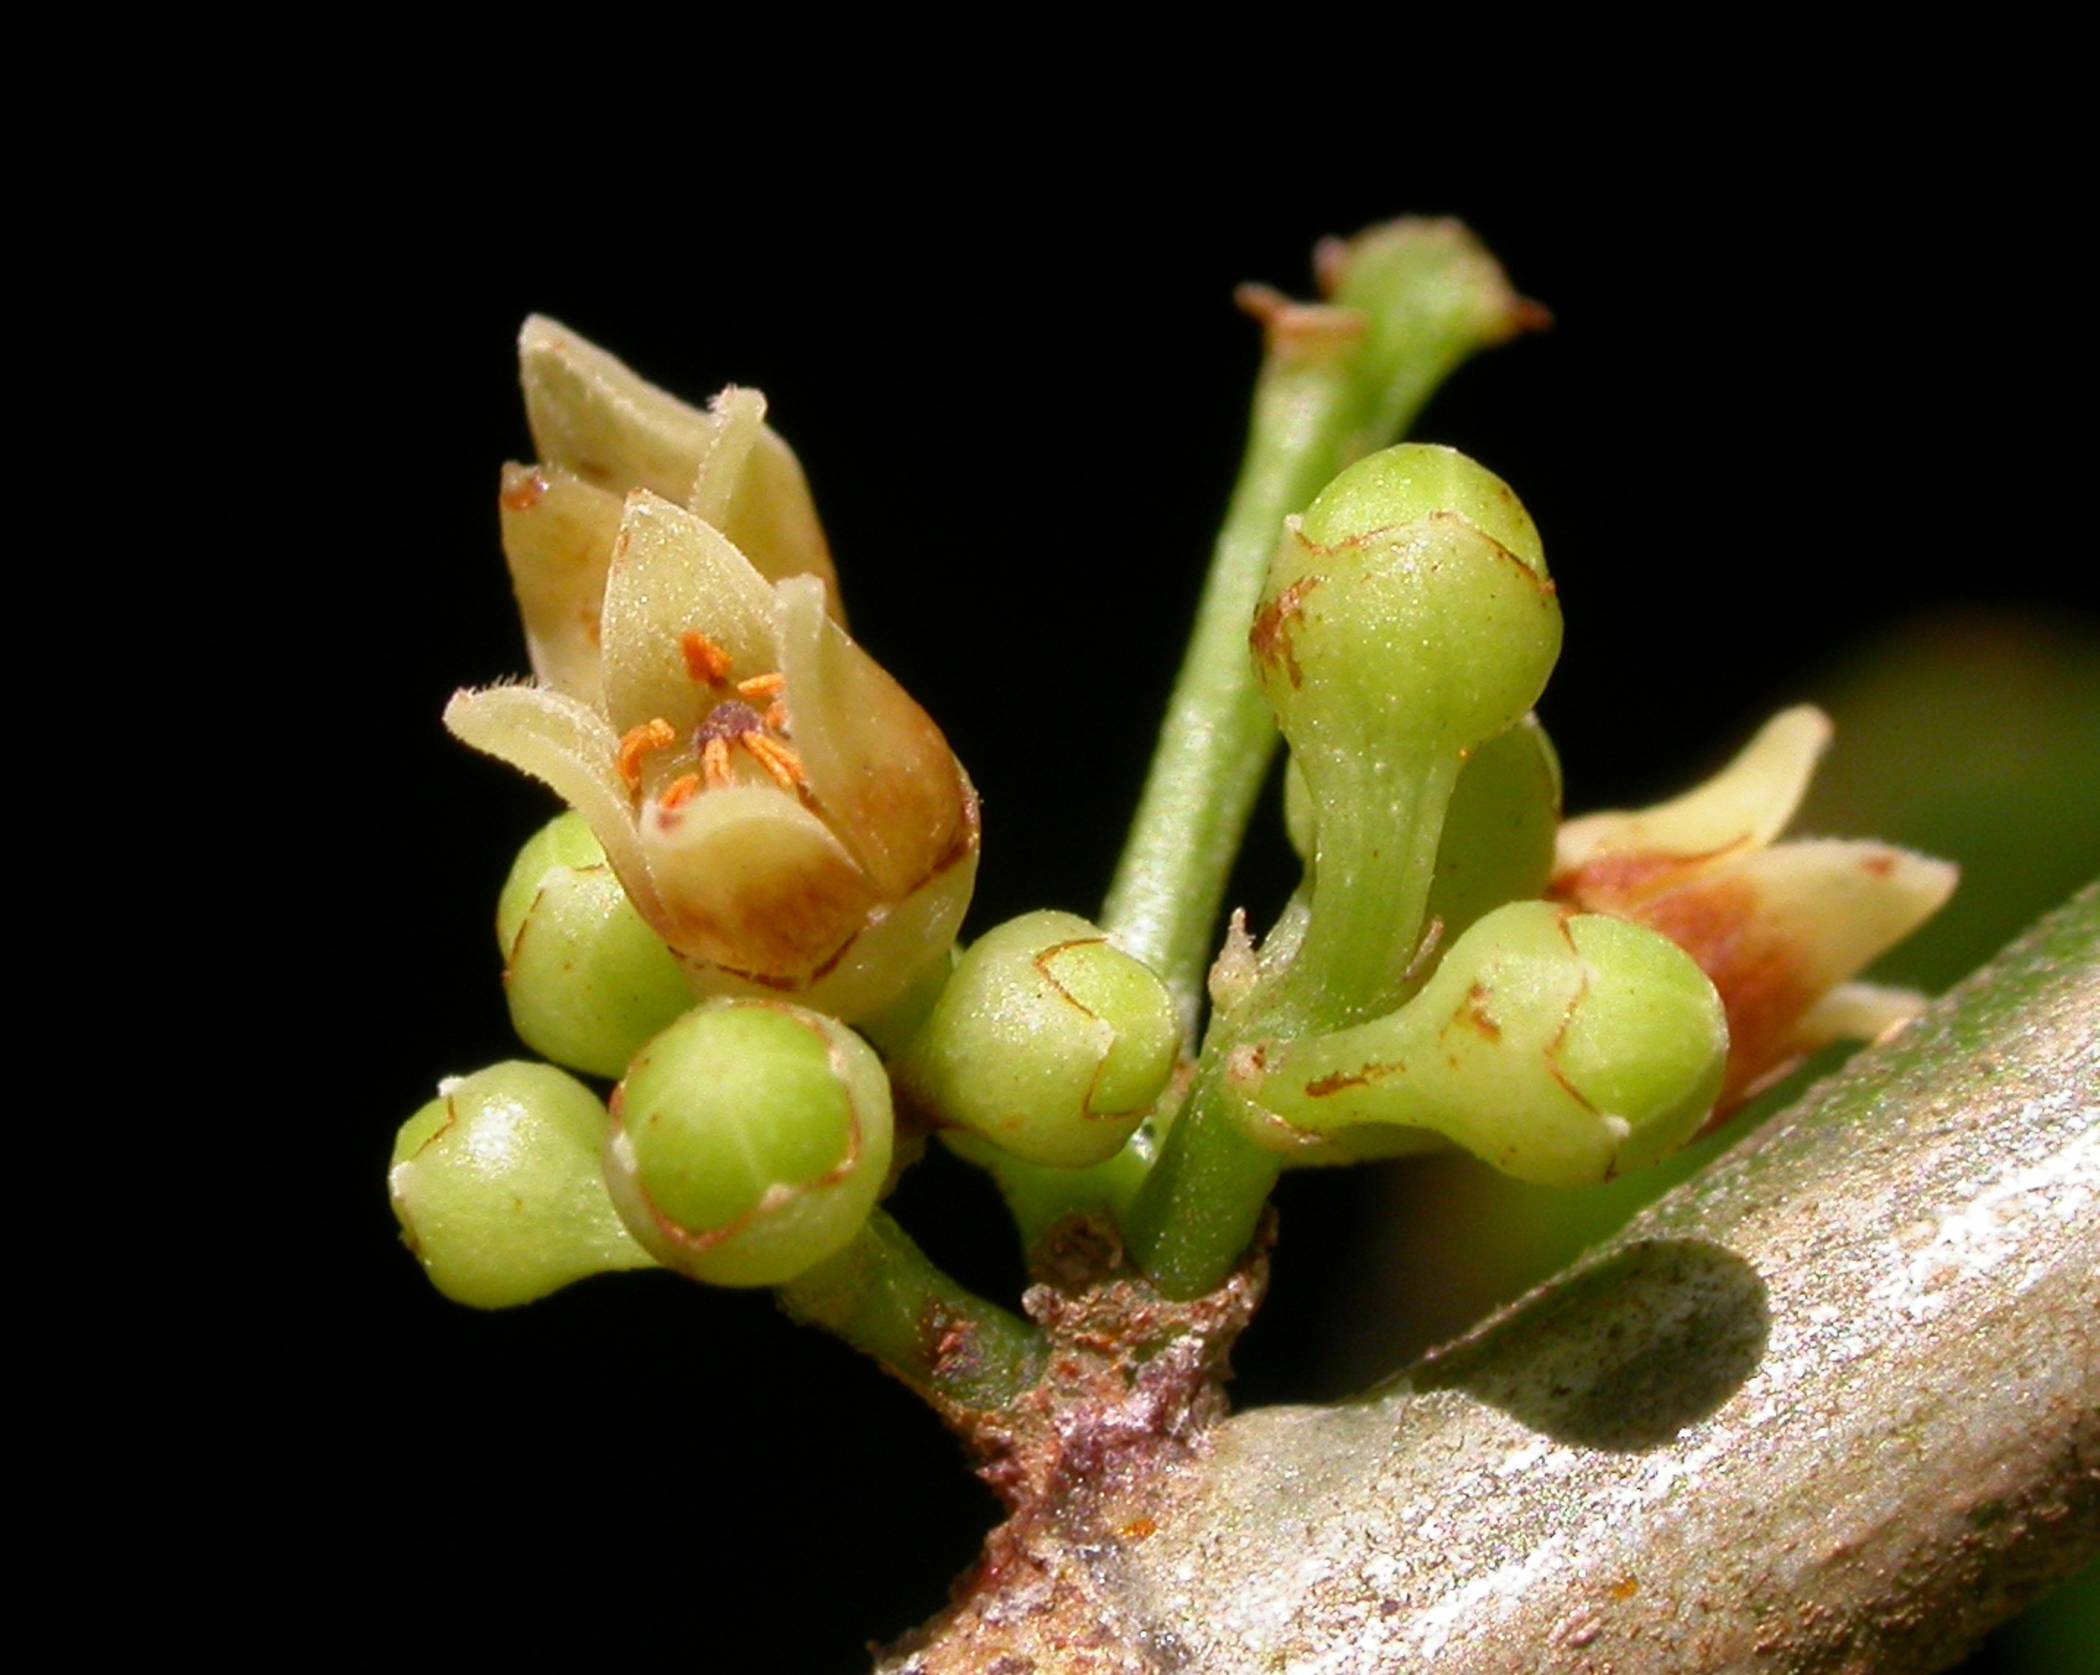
1038 1195
1377 861
883 1296
1217 739
1416 299
1200 1204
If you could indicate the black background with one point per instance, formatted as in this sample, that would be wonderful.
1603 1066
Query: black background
1796 393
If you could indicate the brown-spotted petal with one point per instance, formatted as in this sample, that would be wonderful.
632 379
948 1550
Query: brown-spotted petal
751 487
1624 856
558 536
677 591
751 880
878 768
568 745
893 947
590 414
1778 929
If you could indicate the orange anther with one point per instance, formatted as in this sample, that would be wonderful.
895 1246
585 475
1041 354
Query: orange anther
776 758
704 660
679 792
523 485
714 764
762 686
637 742
777 716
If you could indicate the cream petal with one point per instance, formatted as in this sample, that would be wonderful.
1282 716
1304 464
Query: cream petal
1842 903
566 744
558 534
1777 929
671 575
878 768
734 418
591 415
1856 1012
752 489
1744 806
751 880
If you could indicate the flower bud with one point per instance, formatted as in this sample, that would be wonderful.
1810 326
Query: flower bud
749 1141
1562 1048
1429 295
498 1188
1410 602
563 844
587 980
1407 621
1047 1041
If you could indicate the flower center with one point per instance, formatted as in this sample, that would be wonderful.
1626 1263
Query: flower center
728 722
733 724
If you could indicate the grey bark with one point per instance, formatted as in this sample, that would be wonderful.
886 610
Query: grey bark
1833 1405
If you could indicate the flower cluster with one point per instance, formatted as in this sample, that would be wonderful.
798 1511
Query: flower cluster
748 918
767 840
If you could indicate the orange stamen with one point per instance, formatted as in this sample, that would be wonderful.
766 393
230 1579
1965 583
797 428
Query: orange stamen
777 717
704 660
776 758
762 686
679 792
636 743
714 764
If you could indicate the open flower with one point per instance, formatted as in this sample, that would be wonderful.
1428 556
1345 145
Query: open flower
1780 929
778 809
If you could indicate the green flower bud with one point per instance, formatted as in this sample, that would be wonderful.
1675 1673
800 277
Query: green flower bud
498 1189
1415 480
1560 1047
1409 602
1429 296
587 980
749 1141
564 842
1047 1041
1407 621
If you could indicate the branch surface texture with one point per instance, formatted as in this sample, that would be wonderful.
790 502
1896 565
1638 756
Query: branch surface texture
1833 1405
